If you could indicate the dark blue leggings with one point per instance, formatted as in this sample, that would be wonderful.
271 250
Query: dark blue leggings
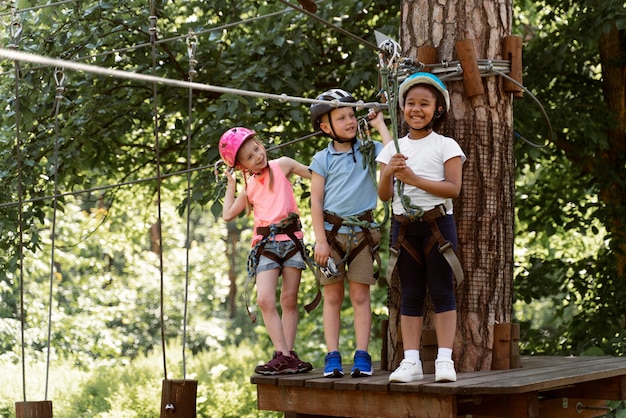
435 274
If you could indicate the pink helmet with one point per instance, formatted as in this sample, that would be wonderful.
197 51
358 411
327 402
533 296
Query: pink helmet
231 141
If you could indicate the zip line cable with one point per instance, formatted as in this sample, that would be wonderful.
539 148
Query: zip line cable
53 62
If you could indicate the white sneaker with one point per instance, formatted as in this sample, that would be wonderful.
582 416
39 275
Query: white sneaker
407 371
444 371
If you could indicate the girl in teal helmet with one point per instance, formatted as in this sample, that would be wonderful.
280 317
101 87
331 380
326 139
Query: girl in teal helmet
429 167
436 86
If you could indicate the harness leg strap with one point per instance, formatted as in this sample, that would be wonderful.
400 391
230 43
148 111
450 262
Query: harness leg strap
445 248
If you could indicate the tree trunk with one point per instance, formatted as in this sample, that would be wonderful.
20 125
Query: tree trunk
612 47
483 125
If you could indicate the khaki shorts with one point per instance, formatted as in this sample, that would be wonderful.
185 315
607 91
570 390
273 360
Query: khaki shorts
361 269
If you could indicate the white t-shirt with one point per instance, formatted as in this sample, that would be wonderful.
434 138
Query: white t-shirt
426 157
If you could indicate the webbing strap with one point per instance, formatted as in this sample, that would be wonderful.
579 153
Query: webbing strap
445 247
331 236
289 229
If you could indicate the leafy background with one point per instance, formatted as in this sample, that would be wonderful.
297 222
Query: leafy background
105 328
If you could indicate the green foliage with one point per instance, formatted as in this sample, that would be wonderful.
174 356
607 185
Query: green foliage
134 389
568 230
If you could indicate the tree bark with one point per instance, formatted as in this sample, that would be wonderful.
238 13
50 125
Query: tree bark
483 126
612 47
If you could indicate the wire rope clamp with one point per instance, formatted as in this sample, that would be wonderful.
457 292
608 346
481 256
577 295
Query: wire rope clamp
512 51
472 82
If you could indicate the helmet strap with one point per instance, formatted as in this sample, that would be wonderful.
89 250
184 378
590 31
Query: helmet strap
333 135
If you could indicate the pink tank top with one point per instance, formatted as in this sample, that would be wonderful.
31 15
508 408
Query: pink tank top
271 206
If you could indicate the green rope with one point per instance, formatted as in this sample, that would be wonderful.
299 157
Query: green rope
412 211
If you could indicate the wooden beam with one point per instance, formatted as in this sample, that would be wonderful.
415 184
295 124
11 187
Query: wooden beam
523 405
354 403
178 398
33 409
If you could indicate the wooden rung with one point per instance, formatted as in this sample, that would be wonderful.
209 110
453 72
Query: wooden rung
512 51
429 337
178 398
41 409
466 51
505 353
426 55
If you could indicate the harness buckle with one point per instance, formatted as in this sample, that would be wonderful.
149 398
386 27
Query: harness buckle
445 247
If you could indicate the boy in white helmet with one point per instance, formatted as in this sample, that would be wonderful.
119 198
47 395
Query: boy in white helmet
343 188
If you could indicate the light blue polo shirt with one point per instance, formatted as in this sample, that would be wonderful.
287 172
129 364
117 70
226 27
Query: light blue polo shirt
348 187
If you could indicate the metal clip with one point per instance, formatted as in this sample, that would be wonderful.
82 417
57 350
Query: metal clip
15 28
192 43
331 269
59 77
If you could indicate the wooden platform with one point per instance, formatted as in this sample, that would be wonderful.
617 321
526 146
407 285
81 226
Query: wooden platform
550 387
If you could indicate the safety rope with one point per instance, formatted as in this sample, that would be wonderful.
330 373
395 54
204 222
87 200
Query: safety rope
192 44
15 30
389 61
59 78
153 36
128 75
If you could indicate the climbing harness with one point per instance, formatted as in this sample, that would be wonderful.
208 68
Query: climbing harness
444 246
366 222
289 226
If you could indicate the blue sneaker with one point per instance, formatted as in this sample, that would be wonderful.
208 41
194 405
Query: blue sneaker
362 364
332 365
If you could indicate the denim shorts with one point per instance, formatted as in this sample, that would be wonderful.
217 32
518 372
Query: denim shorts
281 249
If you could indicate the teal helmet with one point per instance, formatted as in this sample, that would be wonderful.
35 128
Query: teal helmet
423 78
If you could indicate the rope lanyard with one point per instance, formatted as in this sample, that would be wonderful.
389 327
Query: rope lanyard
153 36
15 30
59 78
388 65
192 43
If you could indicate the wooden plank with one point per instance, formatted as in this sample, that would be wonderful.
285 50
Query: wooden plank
534 379
33 409
365 404
572 407
521 405
554 377
612 388
532 391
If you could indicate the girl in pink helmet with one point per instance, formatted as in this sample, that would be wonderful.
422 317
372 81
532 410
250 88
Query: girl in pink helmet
277 241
